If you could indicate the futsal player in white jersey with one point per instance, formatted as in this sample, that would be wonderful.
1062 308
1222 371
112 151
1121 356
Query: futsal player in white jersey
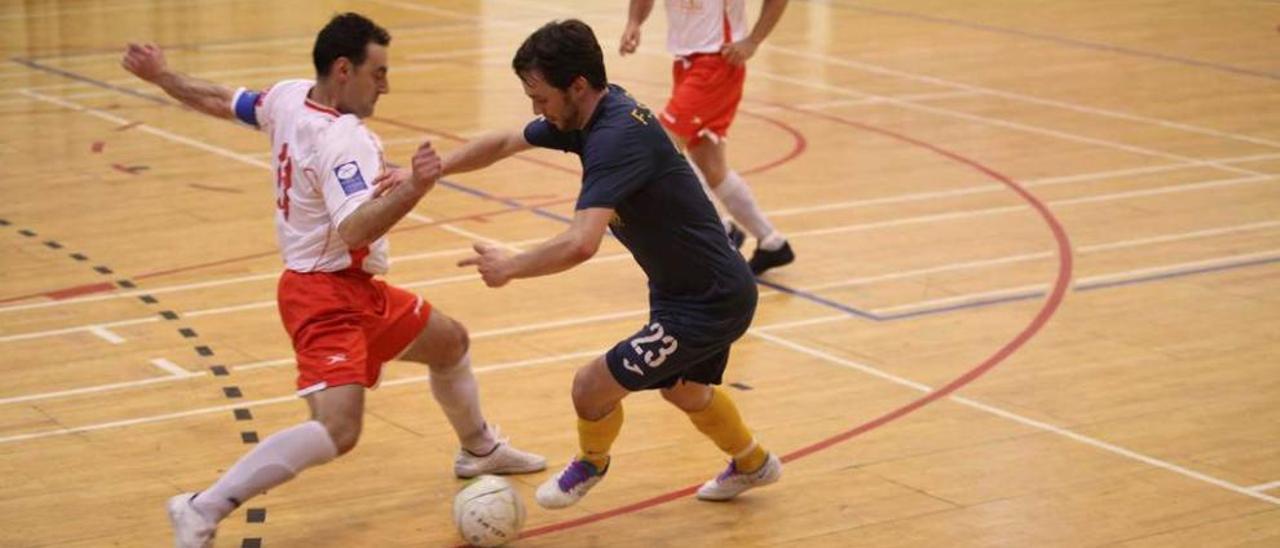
331 223
710 41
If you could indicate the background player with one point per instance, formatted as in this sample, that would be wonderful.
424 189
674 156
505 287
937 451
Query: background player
710 41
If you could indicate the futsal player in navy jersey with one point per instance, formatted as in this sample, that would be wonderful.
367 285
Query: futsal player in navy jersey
635 182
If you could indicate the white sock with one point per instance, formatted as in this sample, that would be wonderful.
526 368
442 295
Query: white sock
737 198
459 397
276 460
711 195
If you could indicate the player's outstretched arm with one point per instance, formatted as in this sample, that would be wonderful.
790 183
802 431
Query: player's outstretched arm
566 250
484 150
146 61
636 16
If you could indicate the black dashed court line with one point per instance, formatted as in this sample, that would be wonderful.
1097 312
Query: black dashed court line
740 386
4 222
253 515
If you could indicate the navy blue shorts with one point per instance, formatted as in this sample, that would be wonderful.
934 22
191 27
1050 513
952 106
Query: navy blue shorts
662 354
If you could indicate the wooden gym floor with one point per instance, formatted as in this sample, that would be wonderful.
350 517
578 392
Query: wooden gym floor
1037 301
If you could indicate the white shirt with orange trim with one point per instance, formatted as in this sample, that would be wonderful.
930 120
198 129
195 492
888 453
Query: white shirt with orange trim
325 163
703 26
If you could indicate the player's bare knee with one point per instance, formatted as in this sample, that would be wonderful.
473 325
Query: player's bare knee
586 396
453 346
344 431
689 397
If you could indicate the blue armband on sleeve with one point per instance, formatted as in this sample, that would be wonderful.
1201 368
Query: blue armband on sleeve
244 104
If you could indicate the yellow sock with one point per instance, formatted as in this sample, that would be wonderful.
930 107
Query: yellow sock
721 422
596 437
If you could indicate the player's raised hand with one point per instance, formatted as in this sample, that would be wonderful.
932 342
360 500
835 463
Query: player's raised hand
146 61
426 167
737 53
390 179
630 40
491 262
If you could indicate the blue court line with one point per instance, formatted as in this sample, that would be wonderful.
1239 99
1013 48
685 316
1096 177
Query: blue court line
29 63
774 285
1167 275
1054 38
1088 286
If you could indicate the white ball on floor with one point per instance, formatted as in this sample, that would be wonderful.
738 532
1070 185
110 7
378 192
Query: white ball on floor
488 511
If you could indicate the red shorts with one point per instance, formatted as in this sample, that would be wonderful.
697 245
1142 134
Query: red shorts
704 98
345 325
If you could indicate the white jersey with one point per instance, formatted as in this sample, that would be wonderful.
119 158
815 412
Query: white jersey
703 26
325 163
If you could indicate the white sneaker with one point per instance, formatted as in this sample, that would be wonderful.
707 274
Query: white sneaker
732 483
190 528
570 485
504 459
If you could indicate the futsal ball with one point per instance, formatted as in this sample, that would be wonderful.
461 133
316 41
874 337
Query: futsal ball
488 511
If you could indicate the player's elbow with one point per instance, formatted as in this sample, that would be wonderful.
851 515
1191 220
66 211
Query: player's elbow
584 249
352 236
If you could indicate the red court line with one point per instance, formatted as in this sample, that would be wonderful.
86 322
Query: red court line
80 290
1061 283
798 147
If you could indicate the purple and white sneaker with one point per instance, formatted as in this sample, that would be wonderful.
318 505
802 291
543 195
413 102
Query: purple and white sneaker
732 483
570 485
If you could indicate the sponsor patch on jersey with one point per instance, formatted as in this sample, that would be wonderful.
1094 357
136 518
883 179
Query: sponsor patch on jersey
349 178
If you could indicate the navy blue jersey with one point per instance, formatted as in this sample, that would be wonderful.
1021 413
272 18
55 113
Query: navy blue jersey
662 214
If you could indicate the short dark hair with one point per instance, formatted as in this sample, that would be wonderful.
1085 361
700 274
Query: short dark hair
562 51
346 35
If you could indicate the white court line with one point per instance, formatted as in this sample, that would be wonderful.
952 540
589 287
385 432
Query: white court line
989 188
1007 124
837 103
270 303
1074 436
465 233
106 334
1175 268
83 11
1265 486
271 401
160 290
171 368
97 113
1171 189
815 232
924 196
983 263
877 69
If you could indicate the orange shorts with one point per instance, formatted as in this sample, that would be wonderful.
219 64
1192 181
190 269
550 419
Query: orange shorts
704 98
345 325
